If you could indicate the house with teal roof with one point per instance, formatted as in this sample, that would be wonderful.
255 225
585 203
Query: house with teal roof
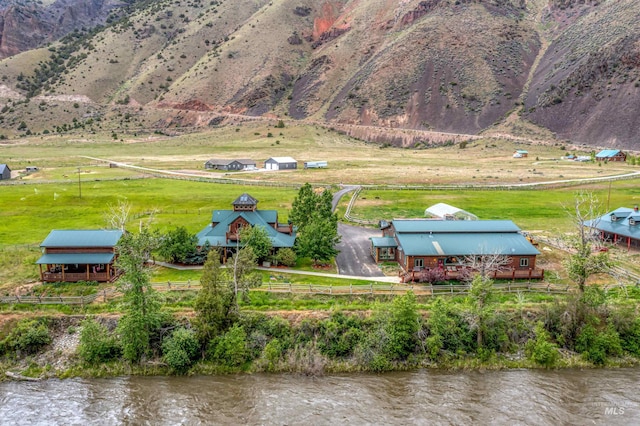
611 155
79 255
225 226
620 226
424 244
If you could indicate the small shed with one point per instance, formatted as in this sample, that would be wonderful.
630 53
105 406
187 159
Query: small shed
5 172
446 212
280 163
520 153
611 155
31 169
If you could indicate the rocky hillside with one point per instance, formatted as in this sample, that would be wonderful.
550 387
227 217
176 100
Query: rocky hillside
460 66
26 25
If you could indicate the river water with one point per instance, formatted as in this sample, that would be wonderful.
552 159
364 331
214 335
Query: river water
510 397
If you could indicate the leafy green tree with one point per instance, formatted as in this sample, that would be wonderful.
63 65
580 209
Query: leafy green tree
258 239
180 350
142 305
318 239
582 262
403 326
285 256
97 345
243 275
480 300
304 206
214 305
178 245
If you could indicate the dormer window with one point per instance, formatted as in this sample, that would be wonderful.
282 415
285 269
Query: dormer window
632 221
614 218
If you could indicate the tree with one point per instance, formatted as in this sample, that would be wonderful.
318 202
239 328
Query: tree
257 238
304 206
243 275
480 298
178 245
142 305
117 216
317 240
215 300
582 262
485 265
317 224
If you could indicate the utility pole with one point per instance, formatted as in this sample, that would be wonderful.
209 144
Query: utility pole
79 184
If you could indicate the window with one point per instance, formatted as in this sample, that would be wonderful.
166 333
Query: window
387 253
418 263
524 261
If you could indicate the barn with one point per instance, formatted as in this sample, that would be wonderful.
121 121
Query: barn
5 172
611 155
280 163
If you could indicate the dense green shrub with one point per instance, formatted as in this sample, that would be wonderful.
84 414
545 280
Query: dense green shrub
285 256
96 344
339 335
541 350
27 337
595 346
230 349
181 349
403 326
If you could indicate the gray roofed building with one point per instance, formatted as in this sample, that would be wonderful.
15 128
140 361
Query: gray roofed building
222 164
280 163
5 172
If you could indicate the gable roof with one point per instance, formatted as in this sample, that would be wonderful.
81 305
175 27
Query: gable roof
608 153
4 167
224 162
282 160
425 237
82 238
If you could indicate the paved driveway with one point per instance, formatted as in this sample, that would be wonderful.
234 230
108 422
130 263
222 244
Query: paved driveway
355 258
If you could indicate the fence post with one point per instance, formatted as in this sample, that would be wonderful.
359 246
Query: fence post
350 288
189 283
331 288
290 290
310 289
371 287
104 294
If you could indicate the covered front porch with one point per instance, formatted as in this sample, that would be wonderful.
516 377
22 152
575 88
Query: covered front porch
73 267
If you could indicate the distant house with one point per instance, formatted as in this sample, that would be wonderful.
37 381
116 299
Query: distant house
31 169
5 172
79 255
280 163
621 226
226 225
239 164
315 164
520 153
423 244
611 155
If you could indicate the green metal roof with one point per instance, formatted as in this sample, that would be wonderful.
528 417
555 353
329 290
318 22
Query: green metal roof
73 258
620 226
457 244
383 242
607 153
453 226
82 238
216 236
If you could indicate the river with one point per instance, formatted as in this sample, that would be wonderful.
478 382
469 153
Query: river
508 397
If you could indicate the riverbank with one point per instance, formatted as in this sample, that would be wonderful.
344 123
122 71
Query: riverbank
574 332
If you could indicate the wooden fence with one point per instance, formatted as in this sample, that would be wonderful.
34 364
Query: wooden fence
310 289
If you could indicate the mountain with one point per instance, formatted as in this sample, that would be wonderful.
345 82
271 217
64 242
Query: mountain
526 68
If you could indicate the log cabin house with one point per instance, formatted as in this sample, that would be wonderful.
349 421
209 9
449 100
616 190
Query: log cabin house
611 155
419 244
79 255
621 226
224 230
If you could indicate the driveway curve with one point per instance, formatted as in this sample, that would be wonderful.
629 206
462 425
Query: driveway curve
354 257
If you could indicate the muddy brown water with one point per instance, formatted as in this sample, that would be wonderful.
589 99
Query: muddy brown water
510 397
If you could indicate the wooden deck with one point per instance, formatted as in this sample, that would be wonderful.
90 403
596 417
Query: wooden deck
456 274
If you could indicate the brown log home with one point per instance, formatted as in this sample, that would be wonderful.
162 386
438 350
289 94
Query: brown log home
424 244
79 255
225 226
